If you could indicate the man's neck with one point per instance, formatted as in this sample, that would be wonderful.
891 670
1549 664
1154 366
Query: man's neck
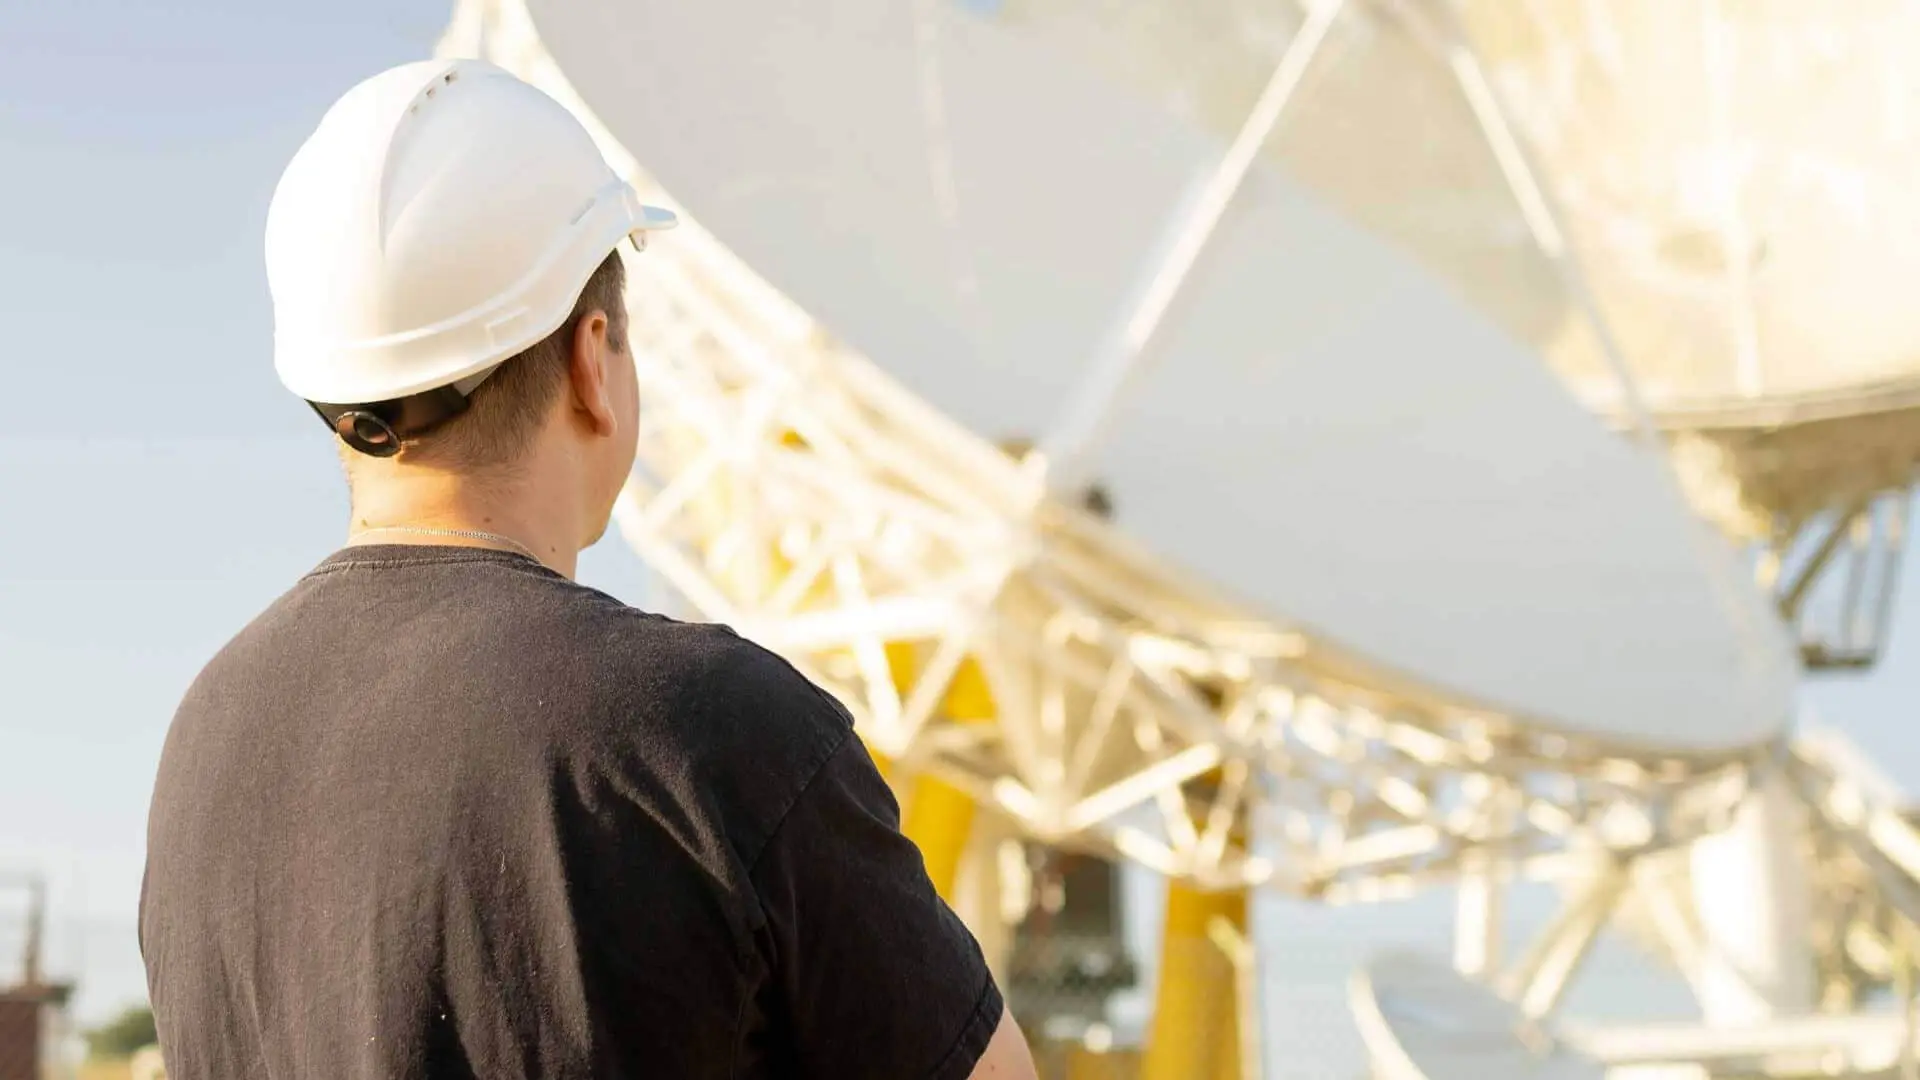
384 509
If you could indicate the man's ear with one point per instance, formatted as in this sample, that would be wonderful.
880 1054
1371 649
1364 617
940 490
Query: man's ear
588 372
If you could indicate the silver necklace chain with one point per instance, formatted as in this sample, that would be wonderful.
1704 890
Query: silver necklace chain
468 534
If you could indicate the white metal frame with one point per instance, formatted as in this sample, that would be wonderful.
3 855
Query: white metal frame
1864 937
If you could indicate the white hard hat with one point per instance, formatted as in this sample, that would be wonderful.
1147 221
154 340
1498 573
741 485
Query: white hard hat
442 218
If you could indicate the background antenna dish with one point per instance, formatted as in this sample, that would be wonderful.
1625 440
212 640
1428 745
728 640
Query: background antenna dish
1421 1020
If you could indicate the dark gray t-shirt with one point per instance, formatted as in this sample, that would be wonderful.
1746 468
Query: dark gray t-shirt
439 812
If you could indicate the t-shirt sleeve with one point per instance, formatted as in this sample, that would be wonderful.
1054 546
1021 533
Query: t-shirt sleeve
878 977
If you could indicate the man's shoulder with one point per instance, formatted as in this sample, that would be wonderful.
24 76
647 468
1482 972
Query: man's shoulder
747 728
709 662
726 693
747 696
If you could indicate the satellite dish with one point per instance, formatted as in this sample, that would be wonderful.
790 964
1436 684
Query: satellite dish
1739 179
788 482
1421 1020
1750 272
1728 177
1324 430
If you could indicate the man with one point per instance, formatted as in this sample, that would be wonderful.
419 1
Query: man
442 812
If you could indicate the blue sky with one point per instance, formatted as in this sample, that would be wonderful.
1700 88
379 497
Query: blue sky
157 486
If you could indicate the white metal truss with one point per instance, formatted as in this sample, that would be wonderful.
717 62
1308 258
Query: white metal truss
1827 533
1842 575
1862 848
1863 853
1867 852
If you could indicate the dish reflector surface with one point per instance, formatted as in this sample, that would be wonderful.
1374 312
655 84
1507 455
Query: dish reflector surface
1421 1019
1322 428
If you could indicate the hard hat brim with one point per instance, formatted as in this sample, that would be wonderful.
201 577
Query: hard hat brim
655 219
360 372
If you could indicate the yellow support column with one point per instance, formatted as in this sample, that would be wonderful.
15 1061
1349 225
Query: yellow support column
939 816
1197 1006
939 820
1196 1032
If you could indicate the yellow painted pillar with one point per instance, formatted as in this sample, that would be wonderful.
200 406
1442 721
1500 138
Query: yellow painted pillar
1229 1054
1087 1064
939 819
1196 1033
939 816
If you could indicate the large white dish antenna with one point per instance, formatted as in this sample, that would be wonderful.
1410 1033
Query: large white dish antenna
1421 1020
1738 173
1322 430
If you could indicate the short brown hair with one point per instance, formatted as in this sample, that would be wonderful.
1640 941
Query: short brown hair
504 411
